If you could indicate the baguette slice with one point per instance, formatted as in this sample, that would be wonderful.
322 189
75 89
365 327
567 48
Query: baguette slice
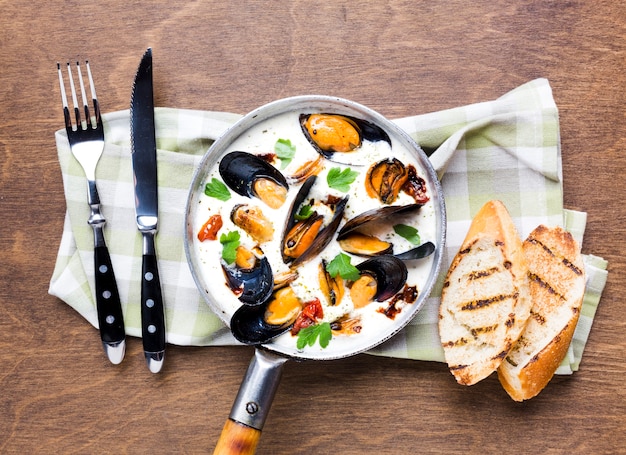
485 300
557 285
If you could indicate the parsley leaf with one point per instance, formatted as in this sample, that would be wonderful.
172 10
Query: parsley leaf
285 151
309 335
304 213
230 242
326 334
408 232
217 189
341 265
341 179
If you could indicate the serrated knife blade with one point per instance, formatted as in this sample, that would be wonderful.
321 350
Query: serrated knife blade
144 160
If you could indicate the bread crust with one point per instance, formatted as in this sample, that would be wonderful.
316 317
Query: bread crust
485 301
557 284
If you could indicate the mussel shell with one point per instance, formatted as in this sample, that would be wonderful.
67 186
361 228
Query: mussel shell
239 170
419 252
256 284
248 325
324 236
303 194
367 131
390 274
378 214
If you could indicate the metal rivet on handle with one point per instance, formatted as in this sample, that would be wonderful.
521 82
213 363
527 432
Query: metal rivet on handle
252 407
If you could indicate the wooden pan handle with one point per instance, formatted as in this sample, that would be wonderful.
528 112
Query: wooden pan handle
237 438
242 431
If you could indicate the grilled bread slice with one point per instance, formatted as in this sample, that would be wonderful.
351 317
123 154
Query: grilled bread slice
557 285
485 298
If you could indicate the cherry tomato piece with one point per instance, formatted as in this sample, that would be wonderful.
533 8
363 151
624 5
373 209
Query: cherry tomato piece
210 229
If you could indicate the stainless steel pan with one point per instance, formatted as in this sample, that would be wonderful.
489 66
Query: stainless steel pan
243 428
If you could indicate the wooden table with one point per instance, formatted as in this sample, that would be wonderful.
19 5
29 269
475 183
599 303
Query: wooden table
59 394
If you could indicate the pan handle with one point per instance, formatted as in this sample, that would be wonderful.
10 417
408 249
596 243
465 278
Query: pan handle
242 430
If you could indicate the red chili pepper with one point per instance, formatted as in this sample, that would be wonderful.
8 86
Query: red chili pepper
210 229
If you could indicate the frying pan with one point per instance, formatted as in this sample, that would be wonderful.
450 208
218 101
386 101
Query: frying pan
243 428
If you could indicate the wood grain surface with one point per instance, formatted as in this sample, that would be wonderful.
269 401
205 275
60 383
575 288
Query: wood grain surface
59 394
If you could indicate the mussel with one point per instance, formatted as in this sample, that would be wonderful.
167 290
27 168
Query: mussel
250 277
259 324
331 287
251 176
354 238
336 136
251 219
386 178
347 325
365 245
381 278
378 214
305 238
313 167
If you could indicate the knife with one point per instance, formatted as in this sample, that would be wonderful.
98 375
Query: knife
143 142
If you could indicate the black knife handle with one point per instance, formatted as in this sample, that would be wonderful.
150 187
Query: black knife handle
110 316
152 315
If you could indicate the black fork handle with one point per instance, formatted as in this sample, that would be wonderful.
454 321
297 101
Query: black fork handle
110 315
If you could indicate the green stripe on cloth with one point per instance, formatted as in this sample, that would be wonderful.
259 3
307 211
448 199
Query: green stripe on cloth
505 149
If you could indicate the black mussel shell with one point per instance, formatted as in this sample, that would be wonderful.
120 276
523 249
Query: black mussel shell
390 274
303 194
255 284
239 170
378 214
419 252
371 132
248 325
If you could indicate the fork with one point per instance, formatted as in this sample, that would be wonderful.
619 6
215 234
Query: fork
86 138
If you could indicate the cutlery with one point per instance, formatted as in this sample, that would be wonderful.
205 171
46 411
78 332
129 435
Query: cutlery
143 141
86 138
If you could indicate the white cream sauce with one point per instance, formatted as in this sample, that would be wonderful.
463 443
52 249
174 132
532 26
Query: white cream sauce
261 139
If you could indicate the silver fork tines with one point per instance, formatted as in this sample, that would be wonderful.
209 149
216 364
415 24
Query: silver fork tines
86 138
95 119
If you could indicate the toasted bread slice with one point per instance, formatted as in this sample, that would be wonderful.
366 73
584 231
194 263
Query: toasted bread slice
557 285
485 299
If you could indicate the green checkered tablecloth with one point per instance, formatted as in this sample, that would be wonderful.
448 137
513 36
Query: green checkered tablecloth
507 149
